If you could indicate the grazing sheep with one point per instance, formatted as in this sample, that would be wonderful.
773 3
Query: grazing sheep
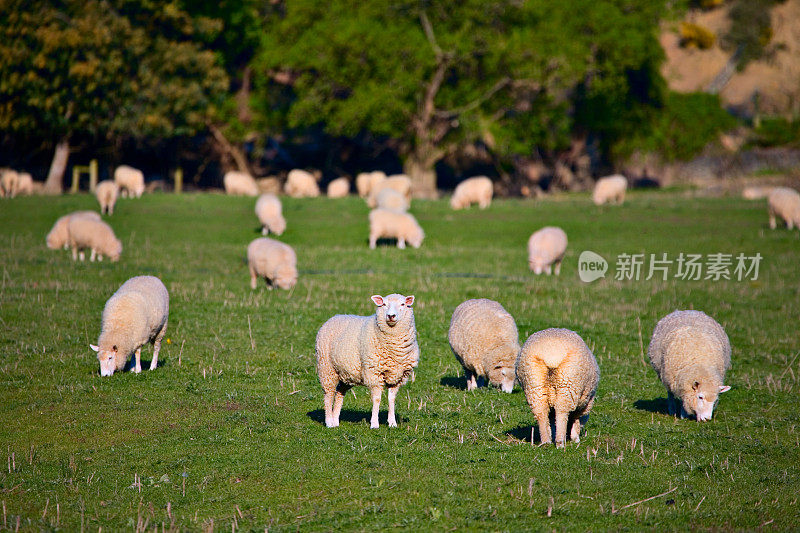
272 260
384 223
130 181
24 183
484 339
363 180
610 189
377 351
270 185
239 184
270 214
399 182
8 182
784 203
558 371
392 200
59 234
93 234
690 352
339 188
477 190
106 192
134 315
546 248
756 192
301 184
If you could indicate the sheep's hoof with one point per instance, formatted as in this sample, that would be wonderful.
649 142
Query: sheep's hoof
560 444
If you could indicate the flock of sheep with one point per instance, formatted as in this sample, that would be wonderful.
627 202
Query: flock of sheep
557 371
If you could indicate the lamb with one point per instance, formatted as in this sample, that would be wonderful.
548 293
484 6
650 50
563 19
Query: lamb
301 184
93 234
391 199
391 224
477 190
130 181
272 260
610 189
339 188
756 192
546 248
24 183
134 315
59 234
558 371
269 213
690 352
8 182
106 192
239 184
399 182
785 203
484 339
377 351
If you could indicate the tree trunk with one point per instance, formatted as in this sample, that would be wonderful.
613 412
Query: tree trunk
237 155
243 97
423 176
58 166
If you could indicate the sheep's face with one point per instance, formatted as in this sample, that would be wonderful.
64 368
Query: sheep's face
286 277
116 252
703 399
107 358
393 309
416 237
502 376
537 264
278 226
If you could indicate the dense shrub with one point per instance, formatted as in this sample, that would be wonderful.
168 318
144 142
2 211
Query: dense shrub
696 36
776 131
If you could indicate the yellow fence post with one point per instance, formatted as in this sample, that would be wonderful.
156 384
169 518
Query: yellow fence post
178 180
92 175
76 175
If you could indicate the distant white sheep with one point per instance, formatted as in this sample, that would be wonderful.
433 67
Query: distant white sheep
339 188
378 351
610 189
134 315
756 192
391 199
24 183
484 339
690 352
301 184
59 234
558 372
399 182
239 184
784 203
106 192
270 213
8 182
384 223
546 249
130 181
272 260
97 236
477 190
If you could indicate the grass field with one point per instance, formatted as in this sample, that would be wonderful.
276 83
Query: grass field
228 432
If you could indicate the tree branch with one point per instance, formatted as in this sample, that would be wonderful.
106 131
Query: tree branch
477 102
428 29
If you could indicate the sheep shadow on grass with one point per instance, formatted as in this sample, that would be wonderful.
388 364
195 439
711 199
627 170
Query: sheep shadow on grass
523 432
455 382
656 405
355 417
131 364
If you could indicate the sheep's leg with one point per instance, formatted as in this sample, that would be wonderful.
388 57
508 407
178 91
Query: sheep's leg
575 433
789 223
561 428
558 267
373 241
157 346
772 223
401 243
82 255
328 404
391 393
543 418
93 255
548 269
253 278
338 400
472 383
99 257
264 230
74 253
375 393
138 367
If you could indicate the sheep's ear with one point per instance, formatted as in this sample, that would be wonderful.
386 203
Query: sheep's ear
410 300
724 388
94 348
114 348
695 385
378 299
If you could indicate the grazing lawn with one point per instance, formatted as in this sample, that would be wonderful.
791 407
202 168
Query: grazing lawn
229 431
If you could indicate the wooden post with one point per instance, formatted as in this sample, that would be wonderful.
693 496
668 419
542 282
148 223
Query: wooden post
92 175
178 180
76 176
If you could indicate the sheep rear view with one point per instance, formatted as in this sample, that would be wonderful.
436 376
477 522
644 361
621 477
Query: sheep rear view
484 339
134 315
270 213
378 351
690 353
238 183
558 372
546 249
106 192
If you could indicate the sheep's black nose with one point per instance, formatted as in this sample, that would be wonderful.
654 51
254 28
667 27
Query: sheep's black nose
391 317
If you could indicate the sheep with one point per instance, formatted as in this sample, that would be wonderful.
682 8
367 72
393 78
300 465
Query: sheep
239 184
399 182
339 188
477 190
391 224
269 213
93 234
377 351
24 183
546 248
366 181
756 192
391 199
484 339
785 203
301 184
269 185
106 192
59 234
690 352
558 371
272 260
610 189
8 182
134 315
130 181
